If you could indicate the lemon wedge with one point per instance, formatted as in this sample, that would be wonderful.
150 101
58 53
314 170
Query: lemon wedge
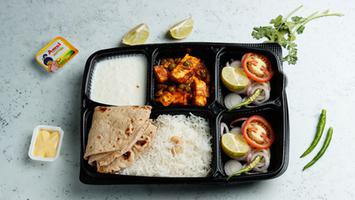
182 29
137 35
234 79
234 145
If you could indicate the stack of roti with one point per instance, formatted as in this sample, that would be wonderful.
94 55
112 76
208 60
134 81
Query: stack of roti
117 136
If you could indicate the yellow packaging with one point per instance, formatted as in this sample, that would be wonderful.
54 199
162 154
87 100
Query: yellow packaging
56 54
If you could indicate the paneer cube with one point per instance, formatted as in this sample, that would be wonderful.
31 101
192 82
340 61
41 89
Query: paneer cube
184 70
181 75
200 92
180 98
199 101
199 88
161 73
166 98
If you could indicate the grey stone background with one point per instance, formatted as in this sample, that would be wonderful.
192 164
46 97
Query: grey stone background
323 78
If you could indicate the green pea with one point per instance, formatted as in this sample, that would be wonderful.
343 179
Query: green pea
182 86
186 63
188 88
172 66
171 89
159 93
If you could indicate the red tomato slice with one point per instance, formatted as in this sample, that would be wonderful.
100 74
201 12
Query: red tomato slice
257 67
257 132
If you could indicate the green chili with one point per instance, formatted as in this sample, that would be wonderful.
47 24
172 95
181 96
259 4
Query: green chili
249 100
319 133
322 150
247 168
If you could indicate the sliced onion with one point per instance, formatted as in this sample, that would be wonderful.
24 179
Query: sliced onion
236 130
255 85
265 94
231 100
244 91
231 167
234 122
254 153
224 128
244 158
264 164
235 63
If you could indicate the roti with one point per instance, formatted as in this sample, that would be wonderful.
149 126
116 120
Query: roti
108 157
116 129
111 156
128 158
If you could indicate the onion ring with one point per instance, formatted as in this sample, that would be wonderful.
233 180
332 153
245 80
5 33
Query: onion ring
265 87
262 166
242 119
223 128
236 130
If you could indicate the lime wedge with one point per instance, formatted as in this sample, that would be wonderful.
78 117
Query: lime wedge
137 35
234 79
182 29
234 145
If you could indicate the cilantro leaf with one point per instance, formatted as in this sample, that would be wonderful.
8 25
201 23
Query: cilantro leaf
284 31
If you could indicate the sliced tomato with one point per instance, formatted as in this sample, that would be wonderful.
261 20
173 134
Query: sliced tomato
258 132
257 67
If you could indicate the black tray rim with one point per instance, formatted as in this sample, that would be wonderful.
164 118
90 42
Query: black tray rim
272 48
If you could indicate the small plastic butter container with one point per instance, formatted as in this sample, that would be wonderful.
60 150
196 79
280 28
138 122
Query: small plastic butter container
56 54
35 135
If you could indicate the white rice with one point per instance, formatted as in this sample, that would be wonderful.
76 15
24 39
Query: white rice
193 161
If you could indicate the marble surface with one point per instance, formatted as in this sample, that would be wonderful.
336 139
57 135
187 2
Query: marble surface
323 78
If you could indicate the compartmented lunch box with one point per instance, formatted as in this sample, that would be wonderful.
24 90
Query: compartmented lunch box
214 56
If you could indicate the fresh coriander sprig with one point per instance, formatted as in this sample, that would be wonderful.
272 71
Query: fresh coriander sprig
284 31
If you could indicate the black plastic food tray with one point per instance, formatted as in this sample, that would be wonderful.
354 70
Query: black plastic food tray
215 56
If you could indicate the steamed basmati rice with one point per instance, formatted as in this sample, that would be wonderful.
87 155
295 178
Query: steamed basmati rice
193 161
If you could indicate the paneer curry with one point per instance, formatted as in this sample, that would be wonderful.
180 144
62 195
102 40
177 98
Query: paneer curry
182 81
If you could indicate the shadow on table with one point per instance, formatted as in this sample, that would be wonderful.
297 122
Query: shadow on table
37 67
164 191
